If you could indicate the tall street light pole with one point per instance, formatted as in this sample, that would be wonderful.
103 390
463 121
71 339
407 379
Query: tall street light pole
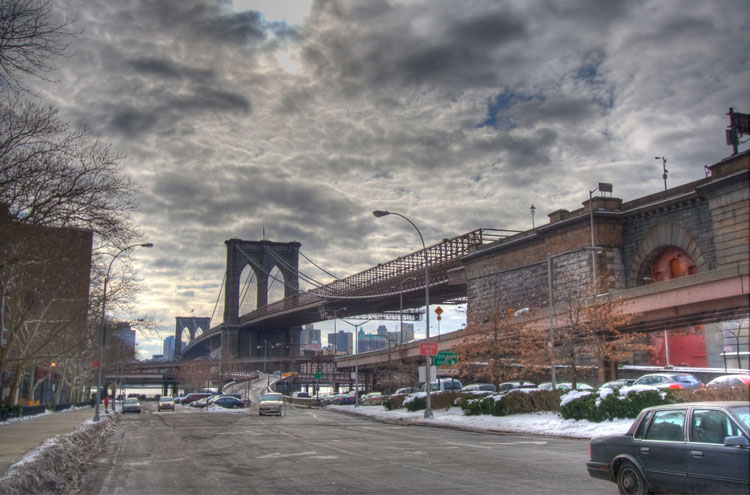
335 346
101 337
382 213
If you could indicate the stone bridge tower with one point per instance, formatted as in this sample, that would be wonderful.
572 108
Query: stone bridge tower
261 257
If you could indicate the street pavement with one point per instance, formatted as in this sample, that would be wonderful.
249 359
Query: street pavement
18 438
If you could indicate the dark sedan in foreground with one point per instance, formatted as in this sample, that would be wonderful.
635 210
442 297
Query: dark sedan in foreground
699 447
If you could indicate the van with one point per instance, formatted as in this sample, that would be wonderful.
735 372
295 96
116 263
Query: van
443 385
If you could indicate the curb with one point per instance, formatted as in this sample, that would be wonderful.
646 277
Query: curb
409 422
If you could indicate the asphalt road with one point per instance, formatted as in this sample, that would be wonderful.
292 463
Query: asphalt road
317 451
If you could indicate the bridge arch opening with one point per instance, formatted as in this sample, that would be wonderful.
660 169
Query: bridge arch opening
276 284
248 290
666 243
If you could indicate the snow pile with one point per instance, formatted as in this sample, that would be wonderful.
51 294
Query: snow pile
544 423
54 467
573 395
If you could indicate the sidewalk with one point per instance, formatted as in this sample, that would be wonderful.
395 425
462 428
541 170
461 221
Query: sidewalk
18 438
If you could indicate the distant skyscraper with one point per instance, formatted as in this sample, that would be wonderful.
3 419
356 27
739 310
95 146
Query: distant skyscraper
341 342
168 349
407 332
310 337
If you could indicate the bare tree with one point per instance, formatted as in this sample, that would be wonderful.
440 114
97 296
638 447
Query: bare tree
490 350
31 39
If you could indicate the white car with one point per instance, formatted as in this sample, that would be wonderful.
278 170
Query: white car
131 405
271 403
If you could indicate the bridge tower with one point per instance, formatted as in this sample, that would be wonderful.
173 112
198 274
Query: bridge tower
192 324
261 257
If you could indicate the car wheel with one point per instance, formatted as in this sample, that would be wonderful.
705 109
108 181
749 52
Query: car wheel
234 406
630 481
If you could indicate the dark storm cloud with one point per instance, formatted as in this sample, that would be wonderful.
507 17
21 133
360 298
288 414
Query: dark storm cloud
169 69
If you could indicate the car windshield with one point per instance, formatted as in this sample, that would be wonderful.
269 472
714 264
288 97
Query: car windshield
743 412
271 397
166 399
131 401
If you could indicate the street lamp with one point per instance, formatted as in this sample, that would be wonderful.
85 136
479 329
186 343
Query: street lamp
265 360
335 346
663 169
594 250
356 359
532 210
382 213
101 339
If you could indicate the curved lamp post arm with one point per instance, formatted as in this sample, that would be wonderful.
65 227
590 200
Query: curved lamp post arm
382 213
101 336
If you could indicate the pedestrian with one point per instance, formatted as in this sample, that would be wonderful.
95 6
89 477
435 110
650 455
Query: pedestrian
106 404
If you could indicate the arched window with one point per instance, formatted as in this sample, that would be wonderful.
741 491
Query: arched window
673 262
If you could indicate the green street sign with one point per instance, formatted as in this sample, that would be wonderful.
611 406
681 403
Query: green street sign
445 357
318 376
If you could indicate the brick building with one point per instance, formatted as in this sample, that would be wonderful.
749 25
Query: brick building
45 276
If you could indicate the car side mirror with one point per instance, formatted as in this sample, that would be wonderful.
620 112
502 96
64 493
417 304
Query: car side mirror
738 441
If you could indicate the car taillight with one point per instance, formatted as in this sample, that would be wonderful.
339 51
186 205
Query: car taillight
676 385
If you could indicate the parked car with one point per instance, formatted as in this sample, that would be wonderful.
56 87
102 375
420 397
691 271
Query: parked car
165 403
700 447
443 384
342 399
729 381
372 399
178 400
194 397
506 387
271 403
479 387
131 405
300 395
406 390
565 386
228 402
669 380
619 383
203 402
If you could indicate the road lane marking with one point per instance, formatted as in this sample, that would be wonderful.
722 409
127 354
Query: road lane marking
468 445
515 443
279 455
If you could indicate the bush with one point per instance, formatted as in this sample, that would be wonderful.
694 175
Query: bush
704 394
416 403
527 402
394 402
595 408
511 403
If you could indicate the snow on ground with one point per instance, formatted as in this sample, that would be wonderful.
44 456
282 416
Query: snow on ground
542 423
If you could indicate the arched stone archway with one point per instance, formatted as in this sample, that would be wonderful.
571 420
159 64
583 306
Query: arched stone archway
262 257
659 239
193 325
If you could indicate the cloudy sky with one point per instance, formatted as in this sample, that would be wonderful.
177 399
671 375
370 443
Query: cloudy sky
302 117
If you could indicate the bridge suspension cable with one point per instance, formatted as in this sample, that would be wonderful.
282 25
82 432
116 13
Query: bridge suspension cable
328 294
318 267
221 289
